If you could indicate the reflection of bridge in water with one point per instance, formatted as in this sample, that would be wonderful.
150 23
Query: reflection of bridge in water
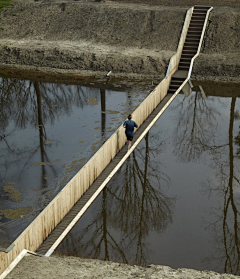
51 225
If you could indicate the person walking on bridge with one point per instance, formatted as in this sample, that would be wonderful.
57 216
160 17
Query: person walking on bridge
129 129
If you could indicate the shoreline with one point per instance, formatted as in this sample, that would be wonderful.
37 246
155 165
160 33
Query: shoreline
35 267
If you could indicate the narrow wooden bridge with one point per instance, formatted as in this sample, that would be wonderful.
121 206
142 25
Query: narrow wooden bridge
190 49
45 233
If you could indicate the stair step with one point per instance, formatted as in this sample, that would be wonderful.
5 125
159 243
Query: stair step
192 39
203 11
178 79
193 48
198 16
194 33
183 63
192 36
185 59
191 43
196 24
194 18
189 52
197 19
188 62
200 11
195 29
186 56
176 83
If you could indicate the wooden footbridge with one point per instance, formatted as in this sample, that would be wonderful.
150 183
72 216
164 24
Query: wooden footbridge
50 227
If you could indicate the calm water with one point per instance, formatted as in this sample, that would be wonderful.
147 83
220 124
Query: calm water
176 200
47 133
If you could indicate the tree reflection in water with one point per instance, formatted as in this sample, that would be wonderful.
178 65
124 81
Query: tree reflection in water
24 105
227 214
197 116
132 205
29 103
196 136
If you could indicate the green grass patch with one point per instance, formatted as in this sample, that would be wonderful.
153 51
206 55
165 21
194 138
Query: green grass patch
5 3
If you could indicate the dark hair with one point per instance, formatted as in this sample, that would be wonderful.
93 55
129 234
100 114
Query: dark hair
129 116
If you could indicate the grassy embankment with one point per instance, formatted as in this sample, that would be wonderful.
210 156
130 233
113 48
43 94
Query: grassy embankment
4 3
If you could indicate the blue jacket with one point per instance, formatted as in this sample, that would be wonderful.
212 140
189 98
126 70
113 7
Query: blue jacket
129 124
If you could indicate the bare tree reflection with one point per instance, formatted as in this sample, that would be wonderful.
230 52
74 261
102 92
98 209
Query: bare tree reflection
131 206
229 181
197 117
26 104
196 135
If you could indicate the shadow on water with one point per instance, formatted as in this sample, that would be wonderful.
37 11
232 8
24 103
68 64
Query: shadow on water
176 200
47 133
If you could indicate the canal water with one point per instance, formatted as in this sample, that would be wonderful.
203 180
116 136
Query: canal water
48 132
176 200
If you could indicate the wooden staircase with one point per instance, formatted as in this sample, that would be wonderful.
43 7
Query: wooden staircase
190 47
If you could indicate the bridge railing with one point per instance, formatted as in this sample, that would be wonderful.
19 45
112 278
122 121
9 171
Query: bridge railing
34 235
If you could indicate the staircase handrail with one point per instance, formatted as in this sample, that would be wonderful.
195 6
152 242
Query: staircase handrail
200 43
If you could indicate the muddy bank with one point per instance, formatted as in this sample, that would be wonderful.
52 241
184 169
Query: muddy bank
90 37
131 40
82 58
71 267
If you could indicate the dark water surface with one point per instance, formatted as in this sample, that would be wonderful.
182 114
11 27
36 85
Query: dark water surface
47 133
176 200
